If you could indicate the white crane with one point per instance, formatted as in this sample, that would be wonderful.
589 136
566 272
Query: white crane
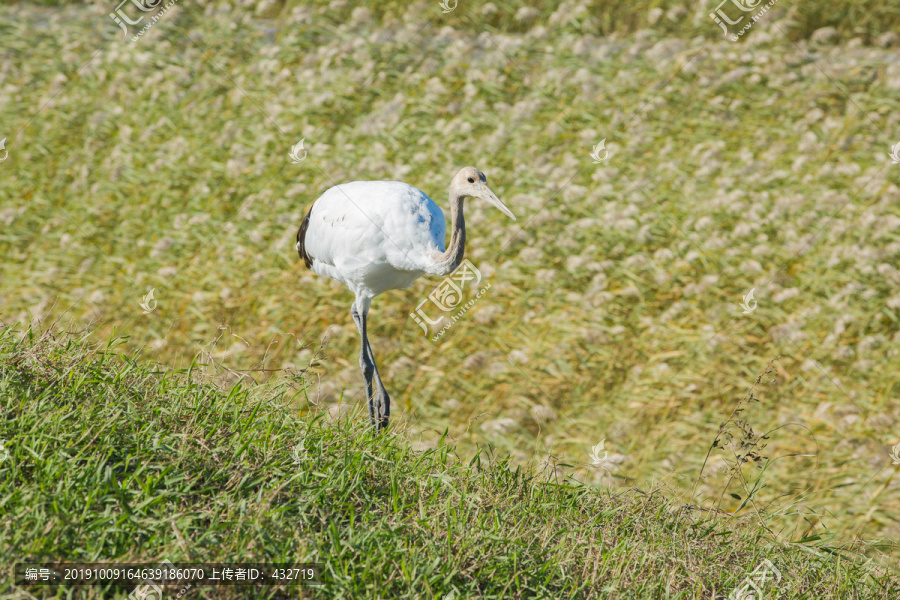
375 236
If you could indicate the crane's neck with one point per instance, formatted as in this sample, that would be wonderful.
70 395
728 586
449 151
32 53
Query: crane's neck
447 262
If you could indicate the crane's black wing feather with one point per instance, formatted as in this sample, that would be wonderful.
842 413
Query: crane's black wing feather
301 242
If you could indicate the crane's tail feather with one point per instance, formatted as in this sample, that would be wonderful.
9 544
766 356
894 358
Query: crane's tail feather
301 242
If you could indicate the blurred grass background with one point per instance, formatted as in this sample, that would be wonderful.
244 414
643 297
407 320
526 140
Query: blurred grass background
614 309
851 18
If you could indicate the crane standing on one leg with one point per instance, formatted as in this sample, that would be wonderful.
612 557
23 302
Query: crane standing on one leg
375 236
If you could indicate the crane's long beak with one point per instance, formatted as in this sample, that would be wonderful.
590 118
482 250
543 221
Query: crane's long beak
491 198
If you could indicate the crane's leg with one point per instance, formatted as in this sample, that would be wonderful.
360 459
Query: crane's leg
366 364
379 401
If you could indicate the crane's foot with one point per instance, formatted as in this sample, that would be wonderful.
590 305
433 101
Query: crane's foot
380 409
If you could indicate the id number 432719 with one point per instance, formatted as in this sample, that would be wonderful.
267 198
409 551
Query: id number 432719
294 574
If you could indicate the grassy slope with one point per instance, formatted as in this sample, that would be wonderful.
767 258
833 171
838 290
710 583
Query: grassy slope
614 310
113 459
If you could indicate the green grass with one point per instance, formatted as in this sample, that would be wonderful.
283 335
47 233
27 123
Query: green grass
112 458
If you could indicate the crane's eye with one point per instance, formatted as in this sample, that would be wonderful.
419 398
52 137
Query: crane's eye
471 180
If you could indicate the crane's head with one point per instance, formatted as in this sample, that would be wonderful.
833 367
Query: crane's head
472 183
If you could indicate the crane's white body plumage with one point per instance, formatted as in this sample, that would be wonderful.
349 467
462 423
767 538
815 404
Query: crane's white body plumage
375 236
